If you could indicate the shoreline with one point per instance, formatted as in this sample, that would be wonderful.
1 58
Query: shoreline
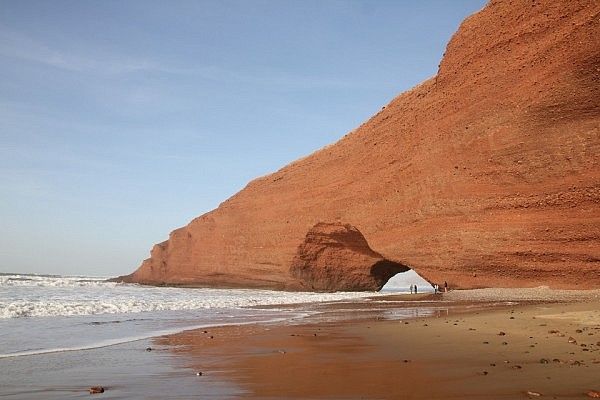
475 349
383 347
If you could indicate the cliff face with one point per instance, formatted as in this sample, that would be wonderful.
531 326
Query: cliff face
487 174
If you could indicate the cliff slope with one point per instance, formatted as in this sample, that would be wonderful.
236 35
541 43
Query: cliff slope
487 174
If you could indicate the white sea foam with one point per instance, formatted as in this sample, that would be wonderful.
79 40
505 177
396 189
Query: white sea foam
40 296
52 281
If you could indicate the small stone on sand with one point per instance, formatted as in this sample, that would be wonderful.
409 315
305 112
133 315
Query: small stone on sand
96 389
533 394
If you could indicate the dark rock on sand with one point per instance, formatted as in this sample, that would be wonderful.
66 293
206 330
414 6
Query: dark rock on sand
96 389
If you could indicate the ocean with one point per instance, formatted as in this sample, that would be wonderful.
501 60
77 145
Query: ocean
60 335
45 313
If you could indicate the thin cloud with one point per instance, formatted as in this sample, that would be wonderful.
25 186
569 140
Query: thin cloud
16 46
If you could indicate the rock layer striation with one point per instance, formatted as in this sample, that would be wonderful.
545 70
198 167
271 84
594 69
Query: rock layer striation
487 174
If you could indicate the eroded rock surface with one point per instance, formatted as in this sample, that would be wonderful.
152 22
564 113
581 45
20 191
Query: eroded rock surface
336 256
488 174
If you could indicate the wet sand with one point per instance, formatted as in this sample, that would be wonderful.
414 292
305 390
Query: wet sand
488 344
465 350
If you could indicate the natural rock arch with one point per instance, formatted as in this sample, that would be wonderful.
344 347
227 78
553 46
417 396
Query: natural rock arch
336 256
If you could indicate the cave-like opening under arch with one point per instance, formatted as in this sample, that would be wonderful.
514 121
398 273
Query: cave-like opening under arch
401 281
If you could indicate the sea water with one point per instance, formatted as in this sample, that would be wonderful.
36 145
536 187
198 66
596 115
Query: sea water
59 335
44 314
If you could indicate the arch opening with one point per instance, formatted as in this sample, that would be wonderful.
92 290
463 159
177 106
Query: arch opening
401 282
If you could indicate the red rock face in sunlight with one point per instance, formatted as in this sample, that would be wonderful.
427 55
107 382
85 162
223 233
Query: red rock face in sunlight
487 174
338 257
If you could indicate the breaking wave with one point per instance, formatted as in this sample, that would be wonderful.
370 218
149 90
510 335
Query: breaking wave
42 296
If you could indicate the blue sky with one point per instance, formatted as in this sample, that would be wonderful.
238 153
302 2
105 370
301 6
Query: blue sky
122 120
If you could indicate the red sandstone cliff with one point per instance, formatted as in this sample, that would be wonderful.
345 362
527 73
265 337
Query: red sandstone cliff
487 174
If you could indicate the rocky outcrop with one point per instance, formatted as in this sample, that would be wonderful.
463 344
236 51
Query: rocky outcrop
336 256
488 174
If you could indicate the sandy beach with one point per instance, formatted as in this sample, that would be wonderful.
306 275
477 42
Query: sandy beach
476 344
541 347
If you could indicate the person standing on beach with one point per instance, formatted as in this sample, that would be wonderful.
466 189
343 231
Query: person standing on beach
411 289
415 289
445 286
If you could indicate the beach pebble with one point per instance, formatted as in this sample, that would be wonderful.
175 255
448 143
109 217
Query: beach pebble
516 367
544 361
504 343
501 333
198 373
96 389
553 331
148 348
594 394
486 342
572 340
406 361
533 394
484 372
578 331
